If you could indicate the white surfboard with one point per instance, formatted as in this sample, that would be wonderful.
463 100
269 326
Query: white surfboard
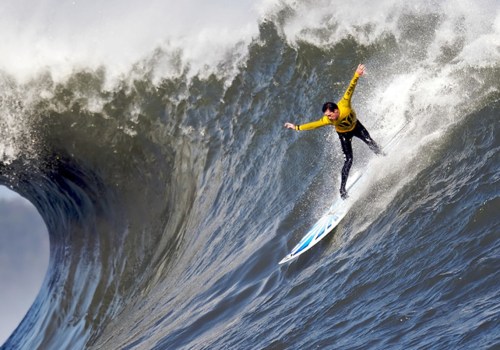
324 225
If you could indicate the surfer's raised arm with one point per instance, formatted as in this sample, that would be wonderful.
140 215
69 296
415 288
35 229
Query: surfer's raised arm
360 71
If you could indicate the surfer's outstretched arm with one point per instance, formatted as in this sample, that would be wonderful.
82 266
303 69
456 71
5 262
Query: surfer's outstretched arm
311 125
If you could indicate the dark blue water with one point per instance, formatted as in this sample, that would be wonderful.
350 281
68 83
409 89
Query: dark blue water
170 201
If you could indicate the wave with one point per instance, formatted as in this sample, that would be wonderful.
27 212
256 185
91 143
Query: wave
170 188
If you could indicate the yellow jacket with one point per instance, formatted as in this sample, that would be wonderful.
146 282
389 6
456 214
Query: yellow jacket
347 117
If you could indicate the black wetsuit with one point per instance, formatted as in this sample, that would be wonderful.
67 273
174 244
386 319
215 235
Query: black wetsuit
346 142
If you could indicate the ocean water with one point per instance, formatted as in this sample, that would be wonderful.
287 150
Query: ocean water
150 138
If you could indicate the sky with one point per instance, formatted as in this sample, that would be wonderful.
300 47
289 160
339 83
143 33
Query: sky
24 257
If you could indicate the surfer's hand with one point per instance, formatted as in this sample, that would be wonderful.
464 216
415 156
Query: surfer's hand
360 70
290 126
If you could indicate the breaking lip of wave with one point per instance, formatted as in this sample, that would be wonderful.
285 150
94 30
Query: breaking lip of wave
430 39
213 38
67 36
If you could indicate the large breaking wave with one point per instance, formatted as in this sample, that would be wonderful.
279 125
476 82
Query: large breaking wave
170 188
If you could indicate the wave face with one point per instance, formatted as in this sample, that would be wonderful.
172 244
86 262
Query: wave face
171 190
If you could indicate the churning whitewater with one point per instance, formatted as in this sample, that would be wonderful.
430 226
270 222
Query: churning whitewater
150 138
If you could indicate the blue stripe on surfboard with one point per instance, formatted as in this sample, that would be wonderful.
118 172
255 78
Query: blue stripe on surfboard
307 238
324 226
321 228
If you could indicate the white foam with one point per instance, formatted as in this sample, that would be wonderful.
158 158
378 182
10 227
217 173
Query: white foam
474 24
69 35
66 35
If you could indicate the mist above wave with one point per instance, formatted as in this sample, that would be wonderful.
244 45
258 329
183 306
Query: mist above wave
63 36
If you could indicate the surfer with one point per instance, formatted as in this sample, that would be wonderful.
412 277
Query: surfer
343 117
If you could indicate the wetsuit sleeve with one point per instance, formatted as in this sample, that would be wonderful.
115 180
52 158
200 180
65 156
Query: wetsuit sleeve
313 125
350 90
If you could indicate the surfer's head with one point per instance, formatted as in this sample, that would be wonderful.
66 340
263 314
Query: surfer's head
331 110
329 106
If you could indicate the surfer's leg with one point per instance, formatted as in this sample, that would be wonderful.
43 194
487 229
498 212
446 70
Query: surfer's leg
345 141
362 133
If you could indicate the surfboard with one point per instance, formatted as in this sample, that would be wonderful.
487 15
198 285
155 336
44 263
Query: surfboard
324 225
334 215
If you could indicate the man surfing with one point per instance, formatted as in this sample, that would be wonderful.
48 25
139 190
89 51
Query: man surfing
343 117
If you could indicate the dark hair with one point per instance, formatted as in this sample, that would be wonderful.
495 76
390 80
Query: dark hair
329 106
